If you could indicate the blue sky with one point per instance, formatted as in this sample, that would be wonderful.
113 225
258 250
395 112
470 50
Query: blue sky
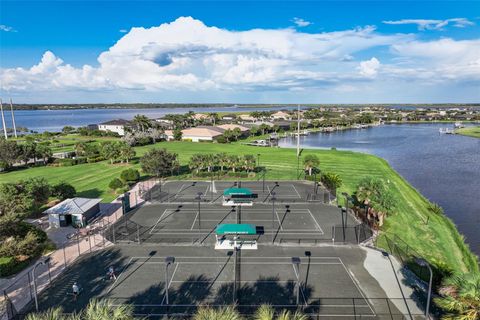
313 51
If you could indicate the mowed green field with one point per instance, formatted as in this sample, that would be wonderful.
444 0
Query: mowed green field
437 240
470 131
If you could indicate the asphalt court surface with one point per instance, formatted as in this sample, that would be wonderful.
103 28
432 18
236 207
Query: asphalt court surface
332 280
184 223
190 219
188 191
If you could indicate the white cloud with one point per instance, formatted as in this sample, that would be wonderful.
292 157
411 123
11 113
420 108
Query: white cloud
369 68
189 57
123 30
301 22
430 24
6 28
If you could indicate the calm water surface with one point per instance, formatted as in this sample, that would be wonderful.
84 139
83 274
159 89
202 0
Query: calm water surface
444 168
55 120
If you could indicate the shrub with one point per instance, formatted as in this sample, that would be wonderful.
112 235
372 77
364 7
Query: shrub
221 139
331 180
81 160
115 184
130 175
65 162
7 266
63 191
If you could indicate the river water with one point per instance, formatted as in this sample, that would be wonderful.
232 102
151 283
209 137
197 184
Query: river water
55 120
444 168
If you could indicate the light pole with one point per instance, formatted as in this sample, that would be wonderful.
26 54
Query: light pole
199 198
346 206
258 160
296 266
168 262
273 216
423 263
46 261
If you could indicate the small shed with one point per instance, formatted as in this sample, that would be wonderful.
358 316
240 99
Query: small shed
75 212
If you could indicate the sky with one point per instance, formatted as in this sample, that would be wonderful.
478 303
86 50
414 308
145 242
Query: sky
240 51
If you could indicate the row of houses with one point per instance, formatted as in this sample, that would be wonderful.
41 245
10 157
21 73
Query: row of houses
206 133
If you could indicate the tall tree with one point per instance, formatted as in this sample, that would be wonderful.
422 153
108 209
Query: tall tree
159 162
310 162
126 152
142 122
110 150
44 151
9 153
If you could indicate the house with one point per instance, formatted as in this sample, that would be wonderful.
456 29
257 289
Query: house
201 117
246 118
75 212
117 126
231 126
197 134
280 115
229 117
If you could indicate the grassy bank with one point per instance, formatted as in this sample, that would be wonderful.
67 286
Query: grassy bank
437 240
470 131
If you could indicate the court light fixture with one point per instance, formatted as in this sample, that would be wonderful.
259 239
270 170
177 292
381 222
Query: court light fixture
168 261
296 260
423 263
308 253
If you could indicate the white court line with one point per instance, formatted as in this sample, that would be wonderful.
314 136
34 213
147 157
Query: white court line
249 263
124 268
279 222
158 221
319 228
356 285
193 224
243 258
300 287
188 232
296 191
170 282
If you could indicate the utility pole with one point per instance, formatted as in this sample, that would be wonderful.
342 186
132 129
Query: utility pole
13 119
3 120
298 131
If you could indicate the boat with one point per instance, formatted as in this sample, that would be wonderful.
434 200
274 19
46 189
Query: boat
458 125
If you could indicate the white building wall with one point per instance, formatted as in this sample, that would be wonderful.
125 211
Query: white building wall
114 128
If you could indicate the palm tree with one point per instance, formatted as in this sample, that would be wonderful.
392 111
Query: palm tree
266 312
309 162
210 161
460 297
222 160
236 133
50 314
142 122
225 313
197 162
105 310
126 152
213 117
249 162
233 162
44 151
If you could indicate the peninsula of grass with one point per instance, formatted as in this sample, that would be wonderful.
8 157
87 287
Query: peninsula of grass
469 131
432 235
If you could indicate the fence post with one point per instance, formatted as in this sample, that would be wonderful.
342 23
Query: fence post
64 257
138 234
29 285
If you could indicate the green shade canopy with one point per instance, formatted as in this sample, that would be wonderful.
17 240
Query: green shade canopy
223 229
237 191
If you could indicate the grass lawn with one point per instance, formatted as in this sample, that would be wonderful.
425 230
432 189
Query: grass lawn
470 131
438 240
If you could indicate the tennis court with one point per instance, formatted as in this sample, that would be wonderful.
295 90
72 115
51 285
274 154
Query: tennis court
244 278
212 191
196 223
